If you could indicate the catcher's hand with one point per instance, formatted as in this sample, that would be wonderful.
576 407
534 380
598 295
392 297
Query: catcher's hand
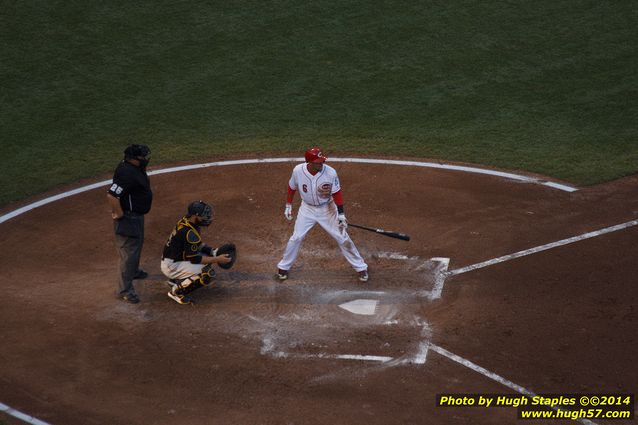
223 259
228 250
288 212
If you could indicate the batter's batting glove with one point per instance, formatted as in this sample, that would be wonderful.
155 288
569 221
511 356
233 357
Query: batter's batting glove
288 212
343 223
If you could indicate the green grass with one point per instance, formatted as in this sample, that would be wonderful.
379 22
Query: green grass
544 86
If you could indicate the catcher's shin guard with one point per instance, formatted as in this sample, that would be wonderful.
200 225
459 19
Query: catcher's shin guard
177 293
189 285
207 274
204 279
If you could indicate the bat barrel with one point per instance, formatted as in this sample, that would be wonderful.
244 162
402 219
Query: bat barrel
389 234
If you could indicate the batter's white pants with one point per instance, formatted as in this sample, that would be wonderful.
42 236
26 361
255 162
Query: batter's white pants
326 216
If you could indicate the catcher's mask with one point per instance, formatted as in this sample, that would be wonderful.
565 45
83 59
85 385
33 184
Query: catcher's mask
140 152
203 210
315 155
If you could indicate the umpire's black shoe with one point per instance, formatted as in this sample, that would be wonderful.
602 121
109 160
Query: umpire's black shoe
140 274
131 298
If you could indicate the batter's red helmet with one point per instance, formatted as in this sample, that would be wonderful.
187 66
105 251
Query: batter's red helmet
315 155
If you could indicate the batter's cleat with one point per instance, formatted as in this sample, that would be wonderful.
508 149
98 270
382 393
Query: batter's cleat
140 274
363 276
179 299
282 274
131 298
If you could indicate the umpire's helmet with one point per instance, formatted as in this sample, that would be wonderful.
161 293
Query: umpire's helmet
202 209
137 151
315 155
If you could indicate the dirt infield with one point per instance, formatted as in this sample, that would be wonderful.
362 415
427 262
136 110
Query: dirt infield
256 351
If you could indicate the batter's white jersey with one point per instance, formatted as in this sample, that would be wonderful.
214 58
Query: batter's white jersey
317 207
315 190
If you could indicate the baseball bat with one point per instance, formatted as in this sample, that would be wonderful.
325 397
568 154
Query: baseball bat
387 233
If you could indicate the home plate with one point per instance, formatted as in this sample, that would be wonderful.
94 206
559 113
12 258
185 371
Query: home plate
363 306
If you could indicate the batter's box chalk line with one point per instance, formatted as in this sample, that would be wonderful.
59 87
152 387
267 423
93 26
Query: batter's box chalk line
368 306
419 357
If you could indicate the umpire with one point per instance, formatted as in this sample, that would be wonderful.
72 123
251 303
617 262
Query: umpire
130 197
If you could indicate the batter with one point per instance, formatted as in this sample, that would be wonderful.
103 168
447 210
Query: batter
321 202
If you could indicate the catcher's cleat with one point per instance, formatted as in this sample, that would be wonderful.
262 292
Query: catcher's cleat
363 276
282 274
180 299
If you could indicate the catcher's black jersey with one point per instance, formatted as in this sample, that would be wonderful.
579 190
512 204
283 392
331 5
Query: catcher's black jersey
184 243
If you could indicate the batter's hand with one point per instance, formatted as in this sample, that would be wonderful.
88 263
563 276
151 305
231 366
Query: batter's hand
288 212
343 223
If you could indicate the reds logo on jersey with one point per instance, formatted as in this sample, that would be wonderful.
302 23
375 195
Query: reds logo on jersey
315 189
325 190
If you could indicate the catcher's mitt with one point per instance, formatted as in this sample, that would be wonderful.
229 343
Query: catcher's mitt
231 250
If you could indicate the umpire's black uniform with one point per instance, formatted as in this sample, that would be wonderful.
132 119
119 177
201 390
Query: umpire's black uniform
132 187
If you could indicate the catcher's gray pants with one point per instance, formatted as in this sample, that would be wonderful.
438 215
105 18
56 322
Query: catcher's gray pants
180 270
130 250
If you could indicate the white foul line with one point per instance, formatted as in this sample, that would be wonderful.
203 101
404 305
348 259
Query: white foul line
541 248
510 176
22 416
493 376
481 370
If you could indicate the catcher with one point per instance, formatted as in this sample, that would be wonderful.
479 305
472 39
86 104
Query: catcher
186 261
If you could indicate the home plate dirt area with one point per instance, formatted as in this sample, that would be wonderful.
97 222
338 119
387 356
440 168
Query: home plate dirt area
554 313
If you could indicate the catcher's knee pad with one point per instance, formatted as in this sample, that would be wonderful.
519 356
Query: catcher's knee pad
207 274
